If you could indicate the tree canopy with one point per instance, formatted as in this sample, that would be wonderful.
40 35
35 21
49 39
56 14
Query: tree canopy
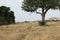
6 15
33 5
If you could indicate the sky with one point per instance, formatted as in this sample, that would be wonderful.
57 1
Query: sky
21 15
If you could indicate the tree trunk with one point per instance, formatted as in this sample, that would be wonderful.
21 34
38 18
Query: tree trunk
43 19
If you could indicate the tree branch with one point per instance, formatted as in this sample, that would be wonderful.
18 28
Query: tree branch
47 10
38 12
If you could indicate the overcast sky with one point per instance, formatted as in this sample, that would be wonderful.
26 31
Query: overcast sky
21 15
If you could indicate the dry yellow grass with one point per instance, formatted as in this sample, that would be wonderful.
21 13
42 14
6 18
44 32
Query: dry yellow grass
30 31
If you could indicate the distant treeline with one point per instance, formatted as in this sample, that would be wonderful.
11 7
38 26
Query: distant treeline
6 16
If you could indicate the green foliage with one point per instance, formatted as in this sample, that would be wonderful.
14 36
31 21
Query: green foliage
6 16
33 5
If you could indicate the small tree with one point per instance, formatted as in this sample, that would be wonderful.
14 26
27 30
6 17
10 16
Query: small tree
6 15
45 5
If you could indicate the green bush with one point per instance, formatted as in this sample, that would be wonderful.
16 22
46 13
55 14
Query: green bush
6 16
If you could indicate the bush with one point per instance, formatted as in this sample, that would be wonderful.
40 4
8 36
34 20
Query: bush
6 16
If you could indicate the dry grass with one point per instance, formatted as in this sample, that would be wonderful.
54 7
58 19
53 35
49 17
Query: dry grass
30 31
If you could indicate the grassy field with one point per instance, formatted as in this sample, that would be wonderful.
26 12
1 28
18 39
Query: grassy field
30 31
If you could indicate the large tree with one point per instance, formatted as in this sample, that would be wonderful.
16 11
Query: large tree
6 15
45 5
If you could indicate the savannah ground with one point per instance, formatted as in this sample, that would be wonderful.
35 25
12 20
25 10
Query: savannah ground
30 31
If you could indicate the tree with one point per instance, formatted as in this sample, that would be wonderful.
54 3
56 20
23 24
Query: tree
45 5
11 17
6 15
